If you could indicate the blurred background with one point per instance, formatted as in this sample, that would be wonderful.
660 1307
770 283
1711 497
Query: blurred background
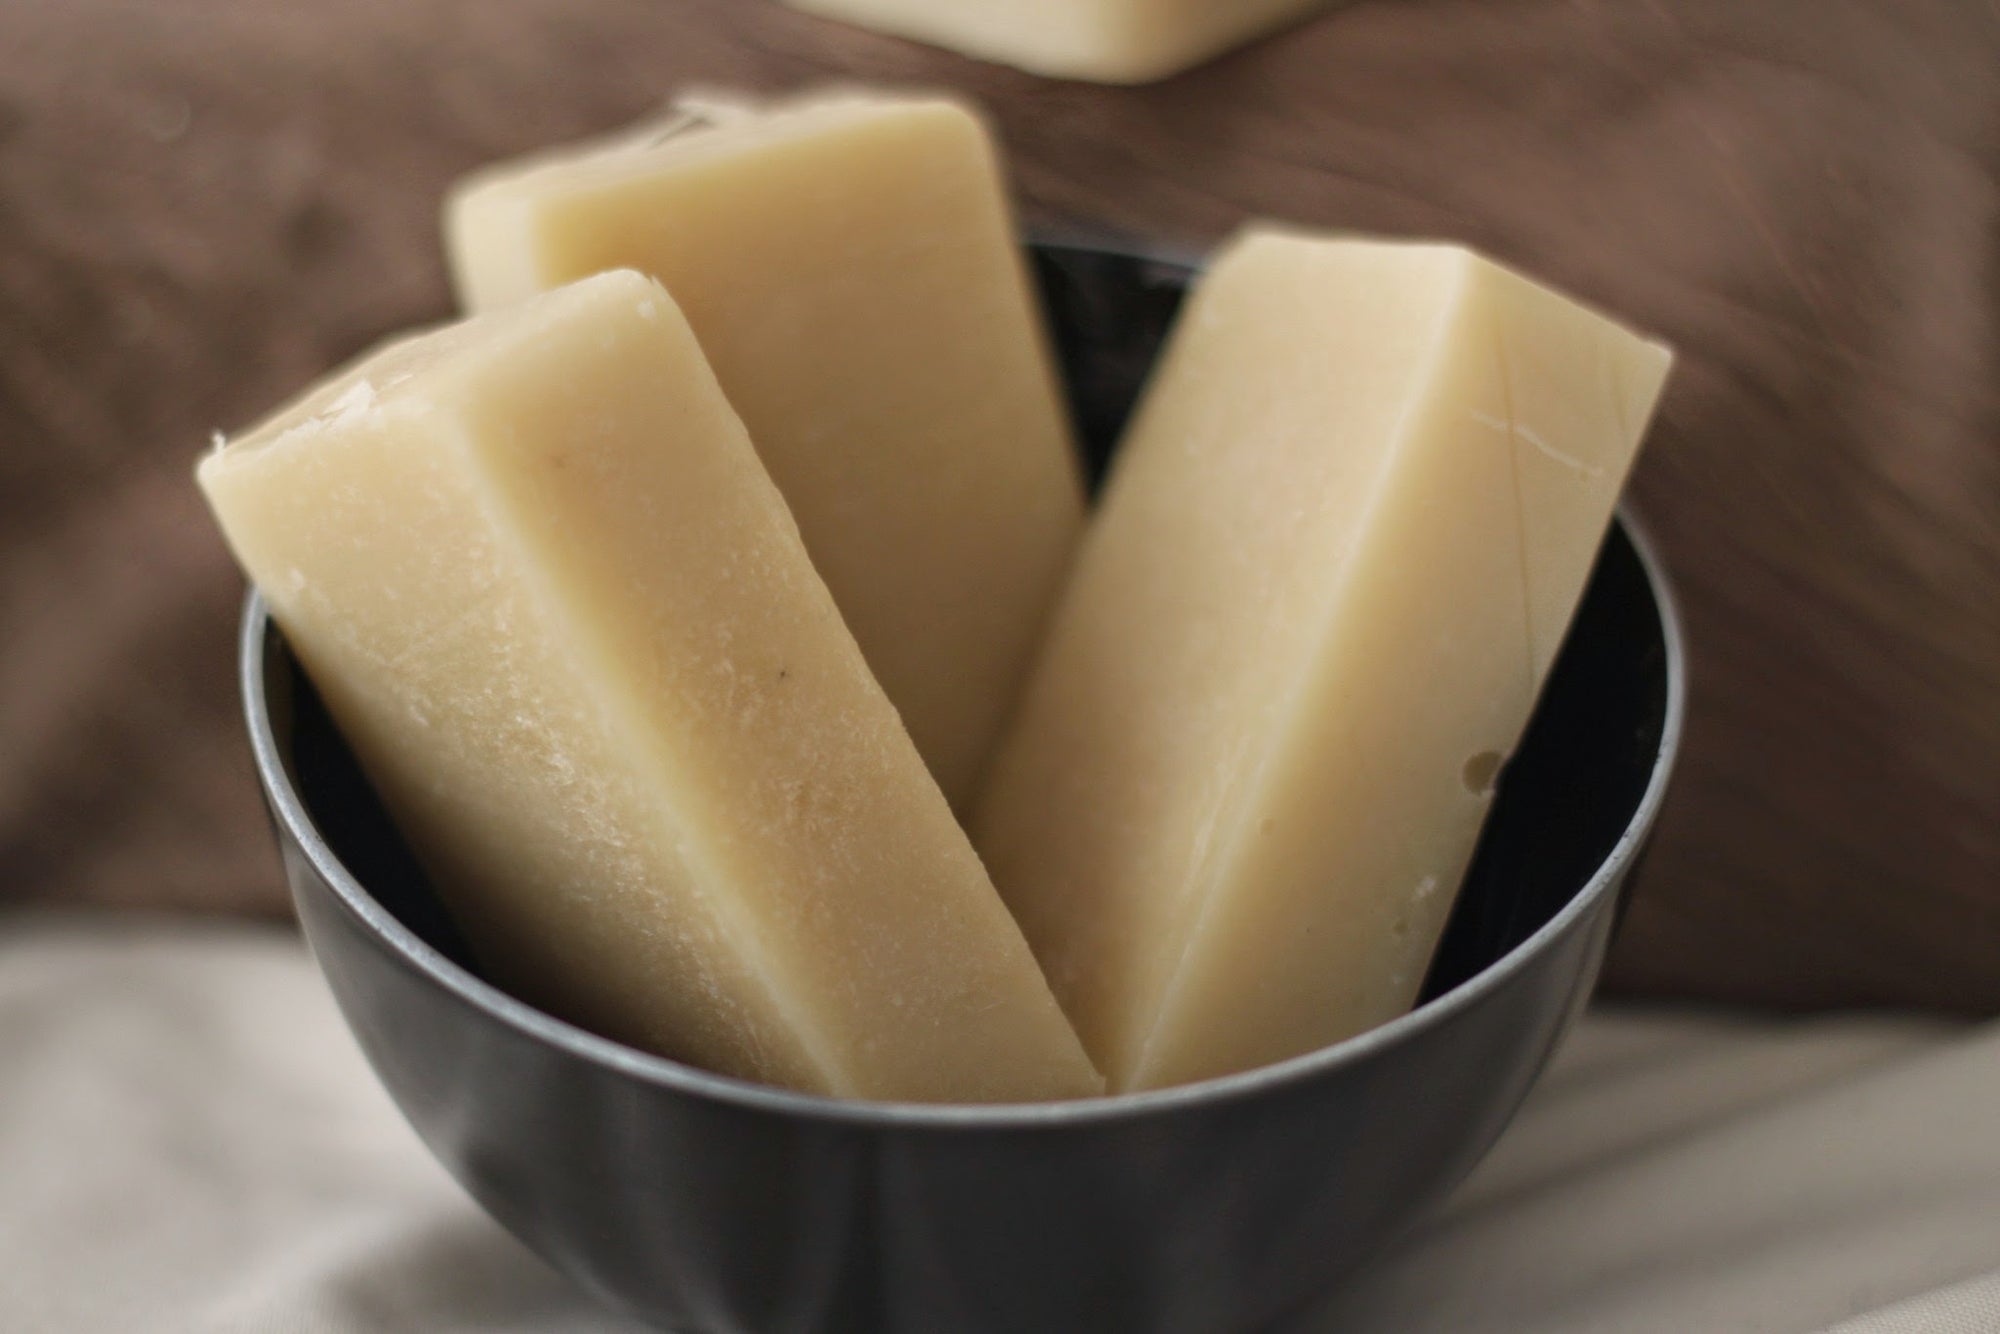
203 205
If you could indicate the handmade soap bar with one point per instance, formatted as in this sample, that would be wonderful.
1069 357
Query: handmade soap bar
565 622
850 268
1341 542
1109 41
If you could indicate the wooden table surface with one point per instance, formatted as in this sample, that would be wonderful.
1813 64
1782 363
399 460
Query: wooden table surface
203 205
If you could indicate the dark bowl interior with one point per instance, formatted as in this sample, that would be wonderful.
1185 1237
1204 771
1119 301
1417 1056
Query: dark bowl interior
705 1203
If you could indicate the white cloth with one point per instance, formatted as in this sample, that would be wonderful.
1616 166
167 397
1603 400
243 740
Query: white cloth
189 1141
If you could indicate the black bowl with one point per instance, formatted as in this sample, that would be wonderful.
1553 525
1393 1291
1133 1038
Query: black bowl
703 1202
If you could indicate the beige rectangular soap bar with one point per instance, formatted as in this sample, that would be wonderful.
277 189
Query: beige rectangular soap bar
566 623
849 264
1107 41
1341 543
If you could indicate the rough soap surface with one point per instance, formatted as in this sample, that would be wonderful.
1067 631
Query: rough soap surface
850 265
535 569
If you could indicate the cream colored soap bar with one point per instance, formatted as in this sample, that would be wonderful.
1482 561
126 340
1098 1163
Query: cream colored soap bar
1108 41
566 623
1341 543
850 267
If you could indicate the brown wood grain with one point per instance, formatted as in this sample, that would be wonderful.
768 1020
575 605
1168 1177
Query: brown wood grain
203 205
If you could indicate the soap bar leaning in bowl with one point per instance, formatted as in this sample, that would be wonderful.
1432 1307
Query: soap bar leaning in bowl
1107 41
1340 546
534 568
849 265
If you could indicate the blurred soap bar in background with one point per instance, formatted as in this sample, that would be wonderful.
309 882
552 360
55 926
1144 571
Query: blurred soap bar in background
1106 41
1339 547
563 619
849 262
